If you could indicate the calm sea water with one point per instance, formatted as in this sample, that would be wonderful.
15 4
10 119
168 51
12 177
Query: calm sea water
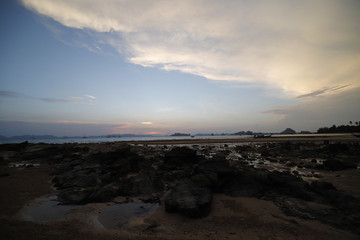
116 139
60 140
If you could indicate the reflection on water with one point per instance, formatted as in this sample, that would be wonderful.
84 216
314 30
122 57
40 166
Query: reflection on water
115 216
46 209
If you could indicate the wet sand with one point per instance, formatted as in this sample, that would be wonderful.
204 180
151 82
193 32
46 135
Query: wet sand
231 218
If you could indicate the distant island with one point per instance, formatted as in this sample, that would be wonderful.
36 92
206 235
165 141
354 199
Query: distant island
288 131
180 135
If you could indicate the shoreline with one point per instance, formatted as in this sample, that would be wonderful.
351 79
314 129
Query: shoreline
342 138
345 137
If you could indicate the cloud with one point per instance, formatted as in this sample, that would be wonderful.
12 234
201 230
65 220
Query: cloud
68 100
322 91
55 100
297 46
75 97
90 96
147 123
9 94
325 110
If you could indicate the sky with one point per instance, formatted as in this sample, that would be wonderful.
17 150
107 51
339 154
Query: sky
91 67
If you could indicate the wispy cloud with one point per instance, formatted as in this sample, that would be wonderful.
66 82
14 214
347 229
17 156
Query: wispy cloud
90 96
68 100
9 94
322 91
296 46
55 100
338 108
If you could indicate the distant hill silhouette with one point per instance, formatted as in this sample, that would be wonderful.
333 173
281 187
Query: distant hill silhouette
288 131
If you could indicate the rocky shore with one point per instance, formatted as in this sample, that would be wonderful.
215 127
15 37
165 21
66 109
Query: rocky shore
300 182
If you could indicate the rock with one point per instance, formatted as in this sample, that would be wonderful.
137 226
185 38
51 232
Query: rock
190 199
264 184
181 156
290 164
147 182
77 178
213 173
337 165
75 195
16 147
246 183
338 199
328 215
104 193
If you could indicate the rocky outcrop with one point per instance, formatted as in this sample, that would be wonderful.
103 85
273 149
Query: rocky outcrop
337 165
184 180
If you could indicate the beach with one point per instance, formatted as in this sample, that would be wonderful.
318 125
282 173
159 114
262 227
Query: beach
271 210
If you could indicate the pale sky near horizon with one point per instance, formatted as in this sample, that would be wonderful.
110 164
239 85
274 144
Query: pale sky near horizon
88 67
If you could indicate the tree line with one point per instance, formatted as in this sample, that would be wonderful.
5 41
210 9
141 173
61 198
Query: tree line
352 127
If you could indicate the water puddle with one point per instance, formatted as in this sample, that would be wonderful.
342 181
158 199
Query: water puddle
115 216
23 165
46 209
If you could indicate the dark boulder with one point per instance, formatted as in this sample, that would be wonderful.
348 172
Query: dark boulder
181 156
189 198
337 165
214 173
123 161
258 183
147 182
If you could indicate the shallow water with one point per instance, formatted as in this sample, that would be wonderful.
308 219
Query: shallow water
46 209
115 216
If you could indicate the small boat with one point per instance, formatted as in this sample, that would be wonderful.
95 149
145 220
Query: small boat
262 135
356 134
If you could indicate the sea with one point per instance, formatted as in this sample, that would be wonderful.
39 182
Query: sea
98 139
101 139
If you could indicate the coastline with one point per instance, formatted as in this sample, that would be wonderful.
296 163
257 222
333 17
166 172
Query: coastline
337 138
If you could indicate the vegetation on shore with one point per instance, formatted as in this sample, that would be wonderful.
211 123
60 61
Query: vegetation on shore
352 128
